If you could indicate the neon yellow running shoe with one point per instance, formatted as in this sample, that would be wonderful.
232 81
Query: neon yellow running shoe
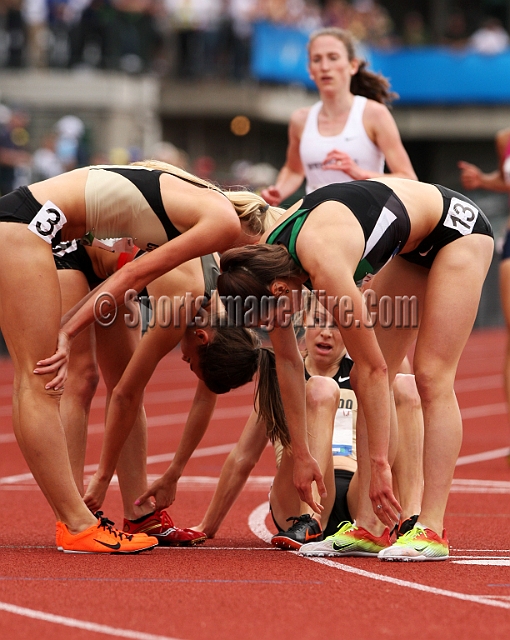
349 540
417 545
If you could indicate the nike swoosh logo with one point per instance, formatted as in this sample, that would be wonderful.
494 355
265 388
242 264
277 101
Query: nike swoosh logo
424 253
311 537
110 546
343 379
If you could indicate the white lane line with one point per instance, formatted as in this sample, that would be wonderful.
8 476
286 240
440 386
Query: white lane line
198 453
483 456
484 410
257 524
167 419
487 562
476 384
79 624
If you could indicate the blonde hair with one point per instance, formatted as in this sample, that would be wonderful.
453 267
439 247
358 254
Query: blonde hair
249 206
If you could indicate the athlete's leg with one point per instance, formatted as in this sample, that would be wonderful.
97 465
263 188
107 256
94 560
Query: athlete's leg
322 398
30 319
449 311
407 468
115 346
399 280
82 377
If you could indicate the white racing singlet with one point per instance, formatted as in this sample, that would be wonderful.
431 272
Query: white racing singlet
353 140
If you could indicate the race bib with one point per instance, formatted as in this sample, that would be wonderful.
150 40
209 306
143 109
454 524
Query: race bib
48 221
343 430
461 216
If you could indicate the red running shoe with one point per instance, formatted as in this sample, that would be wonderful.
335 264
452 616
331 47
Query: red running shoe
160 526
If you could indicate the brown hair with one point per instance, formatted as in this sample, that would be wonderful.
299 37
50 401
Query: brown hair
250 270
249 206
363 83
231 359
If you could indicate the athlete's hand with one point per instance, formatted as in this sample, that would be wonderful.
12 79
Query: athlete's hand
96 492
384 503
272 195
57 363
470 175
306 470
163 490
340 161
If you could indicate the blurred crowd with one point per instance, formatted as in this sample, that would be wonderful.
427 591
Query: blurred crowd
68 144
200 38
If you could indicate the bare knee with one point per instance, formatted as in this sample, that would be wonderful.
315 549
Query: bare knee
406 392
433 383
321 393
82 383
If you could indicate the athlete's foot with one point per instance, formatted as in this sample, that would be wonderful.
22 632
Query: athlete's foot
101 538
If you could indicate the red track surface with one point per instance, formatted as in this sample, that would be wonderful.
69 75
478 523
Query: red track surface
237 586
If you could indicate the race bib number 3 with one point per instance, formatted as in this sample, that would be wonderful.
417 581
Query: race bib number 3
48 221
461 216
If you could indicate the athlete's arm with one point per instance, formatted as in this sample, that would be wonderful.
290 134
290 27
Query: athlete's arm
472 177
163 489
382 130
369 379
291 175
290 372
216 229
234 474
127 397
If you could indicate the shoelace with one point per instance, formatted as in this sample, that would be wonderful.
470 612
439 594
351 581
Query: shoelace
345 526
106 524
166 520
411 535
298 520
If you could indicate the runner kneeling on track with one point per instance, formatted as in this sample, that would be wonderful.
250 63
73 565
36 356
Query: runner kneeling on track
109 345
331 422
420 241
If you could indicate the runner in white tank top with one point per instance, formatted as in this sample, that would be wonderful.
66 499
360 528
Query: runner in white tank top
352 140
472 177
322 146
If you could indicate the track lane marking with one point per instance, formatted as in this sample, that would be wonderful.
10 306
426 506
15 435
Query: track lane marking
256 522
79 624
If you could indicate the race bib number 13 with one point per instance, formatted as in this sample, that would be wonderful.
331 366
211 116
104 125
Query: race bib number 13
461 216
48 221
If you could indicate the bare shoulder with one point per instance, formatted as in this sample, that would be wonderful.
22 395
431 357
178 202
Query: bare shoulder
502 140
298 118
376 112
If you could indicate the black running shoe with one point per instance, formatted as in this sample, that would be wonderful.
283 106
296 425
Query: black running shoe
406 526
305 529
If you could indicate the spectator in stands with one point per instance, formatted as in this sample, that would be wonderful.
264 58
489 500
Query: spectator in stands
71 147
15 158
45 161
14 26
491 38
196 24
415 33
456 32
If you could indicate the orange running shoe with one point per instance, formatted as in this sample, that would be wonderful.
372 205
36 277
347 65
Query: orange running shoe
160 525
102 538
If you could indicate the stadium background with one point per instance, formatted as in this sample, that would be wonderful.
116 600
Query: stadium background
137 84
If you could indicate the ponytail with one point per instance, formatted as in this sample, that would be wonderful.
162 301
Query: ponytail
271 411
